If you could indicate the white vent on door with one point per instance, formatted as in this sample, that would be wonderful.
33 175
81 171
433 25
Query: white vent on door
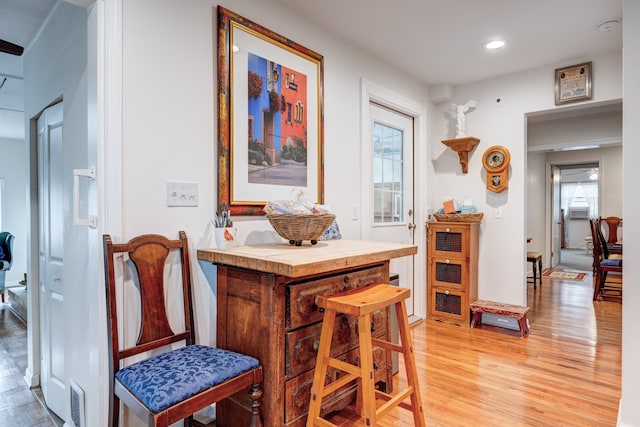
77 404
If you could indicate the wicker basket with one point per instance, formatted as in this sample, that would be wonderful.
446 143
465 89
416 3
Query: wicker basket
461 217
296 228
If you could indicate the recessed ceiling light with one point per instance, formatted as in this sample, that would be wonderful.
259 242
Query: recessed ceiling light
494 44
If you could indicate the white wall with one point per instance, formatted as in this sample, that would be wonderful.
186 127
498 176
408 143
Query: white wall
55 67
169 127
169 132
170 114
590 130
503 240
536 208
629 411
15 220
169 117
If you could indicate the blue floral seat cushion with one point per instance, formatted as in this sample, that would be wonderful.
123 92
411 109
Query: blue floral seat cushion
611 263
166 379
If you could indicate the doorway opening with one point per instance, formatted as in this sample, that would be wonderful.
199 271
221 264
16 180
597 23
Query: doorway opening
579 200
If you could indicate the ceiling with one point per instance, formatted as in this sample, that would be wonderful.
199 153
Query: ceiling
434 41
440 41
20 21
580 173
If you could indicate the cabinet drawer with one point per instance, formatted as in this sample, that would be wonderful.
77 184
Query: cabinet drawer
298 389
451 273
301 346
448 240
450 305
301 297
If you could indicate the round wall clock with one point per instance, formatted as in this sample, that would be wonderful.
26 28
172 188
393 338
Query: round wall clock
496 162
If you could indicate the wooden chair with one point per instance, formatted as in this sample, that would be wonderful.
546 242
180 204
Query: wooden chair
173 384
603 264
612 222
611 242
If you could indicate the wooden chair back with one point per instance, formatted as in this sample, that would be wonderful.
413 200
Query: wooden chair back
596 236
602 242
147 257
612 223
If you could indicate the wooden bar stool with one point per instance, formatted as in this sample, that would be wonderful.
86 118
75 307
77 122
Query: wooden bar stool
535 258
362 302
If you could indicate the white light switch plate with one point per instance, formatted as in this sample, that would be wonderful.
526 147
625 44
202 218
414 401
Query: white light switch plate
180 193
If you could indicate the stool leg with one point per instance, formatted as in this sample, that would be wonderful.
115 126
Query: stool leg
320 373
535 269
367 381
410 363
540 270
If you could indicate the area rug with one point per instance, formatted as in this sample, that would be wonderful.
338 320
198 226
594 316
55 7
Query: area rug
566 275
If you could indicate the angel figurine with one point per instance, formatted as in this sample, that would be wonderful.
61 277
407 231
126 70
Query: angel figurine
460 111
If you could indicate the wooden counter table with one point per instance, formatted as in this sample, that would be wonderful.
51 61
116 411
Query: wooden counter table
266 309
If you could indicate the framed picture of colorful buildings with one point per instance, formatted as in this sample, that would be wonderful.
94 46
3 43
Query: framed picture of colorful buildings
270 116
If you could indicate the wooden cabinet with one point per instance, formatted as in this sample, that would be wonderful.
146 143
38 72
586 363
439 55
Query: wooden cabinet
452 270
266 309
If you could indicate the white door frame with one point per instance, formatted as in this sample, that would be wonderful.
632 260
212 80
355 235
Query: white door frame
105 111
370 92
550 197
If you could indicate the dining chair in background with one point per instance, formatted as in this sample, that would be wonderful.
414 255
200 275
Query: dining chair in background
611 224
609 248
603 265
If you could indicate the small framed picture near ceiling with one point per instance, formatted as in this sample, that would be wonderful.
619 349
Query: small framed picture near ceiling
573 84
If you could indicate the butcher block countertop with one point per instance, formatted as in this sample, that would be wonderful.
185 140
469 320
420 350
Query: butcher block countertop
298 261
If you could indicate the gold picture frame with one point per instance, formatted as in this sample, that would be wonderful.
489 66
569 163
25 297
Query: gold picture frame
574 83
270 117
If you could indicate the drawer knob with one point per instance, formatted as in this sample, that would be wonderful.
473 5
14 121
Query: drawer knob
446 292
316 344
447 261
447 229
345 284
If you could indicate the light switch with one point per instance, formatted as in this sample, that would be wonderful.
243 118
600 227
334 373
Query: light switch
182 193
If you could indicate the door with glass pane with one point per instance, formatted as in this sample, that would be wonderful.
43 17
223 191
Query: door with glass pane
391 208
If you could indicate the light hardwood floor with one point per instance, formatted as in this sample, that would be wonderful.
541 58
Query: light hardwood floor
566 373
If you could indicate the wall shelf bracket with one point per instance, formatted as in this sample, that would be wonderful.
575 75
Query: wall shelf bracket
462 146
